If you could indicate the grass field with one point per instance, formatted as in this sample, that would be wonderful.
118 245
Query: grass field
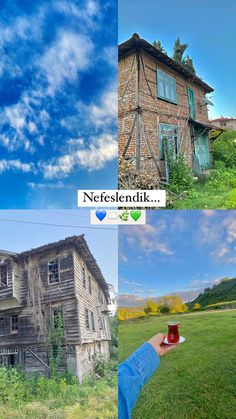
198 378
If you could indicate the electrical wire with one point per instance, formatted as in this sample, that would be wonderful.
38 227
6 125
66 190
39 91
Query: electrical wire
57 225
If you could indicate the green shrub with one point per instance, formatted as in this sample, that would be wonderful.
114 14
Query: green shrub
224 149
101 364
180 175
231 203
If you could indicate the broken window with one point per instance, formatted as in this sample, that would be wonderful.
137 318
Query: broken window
14 324
90 285
92 320
3 276
84 277
53 271
2 326
168 140
87 319
101 297
100 323
166 87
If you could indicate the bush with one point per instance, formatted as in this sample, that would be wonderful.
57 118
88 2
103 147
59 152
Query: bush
224 149
180 175
231 203
101 364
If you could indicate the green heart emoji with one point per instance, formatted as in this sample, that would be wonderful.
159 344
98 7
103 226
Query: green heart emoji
135 215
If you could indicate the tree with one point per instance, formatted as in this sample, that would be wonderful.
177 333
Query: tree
179 50
151 307
197 306
158 45
172 304
188 64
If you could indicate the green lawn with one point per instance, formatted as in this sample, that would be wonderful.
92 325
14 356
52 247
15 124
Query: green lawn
196 380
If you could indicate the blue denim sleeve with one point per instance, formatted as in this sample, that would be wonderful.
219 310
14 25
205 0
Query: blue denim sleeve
133 374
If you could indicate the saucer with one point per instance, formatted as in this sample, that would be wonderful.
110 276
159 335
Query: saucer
181 340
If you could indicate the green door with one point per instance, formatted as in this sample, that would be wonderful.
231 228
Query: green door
191 103
202 151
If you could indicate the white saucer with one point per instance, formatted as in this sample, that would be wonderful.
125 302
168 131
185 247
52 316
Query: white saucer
181 340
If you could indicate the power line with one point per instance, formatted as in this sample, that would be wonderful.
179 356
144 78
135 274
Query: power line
57 225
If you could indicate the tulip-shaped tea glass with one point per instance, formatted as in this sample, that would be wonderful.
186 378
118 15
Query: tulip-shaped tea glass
173 332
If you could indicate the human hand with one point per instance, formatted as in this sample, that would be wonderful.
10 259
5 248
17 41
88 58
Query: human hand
160 347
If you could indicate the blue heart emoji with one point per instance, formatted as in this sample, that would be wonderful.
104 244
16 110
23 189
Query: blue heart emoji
101 214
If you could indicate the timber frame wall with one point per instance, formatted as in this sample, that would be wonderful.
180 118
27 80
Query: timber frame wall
141 112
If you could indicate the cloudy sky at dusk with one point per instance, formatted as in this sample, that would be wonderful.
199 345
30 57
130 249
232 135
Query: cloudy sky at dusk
57 100
176 251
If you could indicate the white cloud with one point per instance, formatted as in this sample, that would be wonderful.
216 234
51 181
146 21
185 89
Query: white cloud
105 112
56 185
15 164
149 238
93 157
70 53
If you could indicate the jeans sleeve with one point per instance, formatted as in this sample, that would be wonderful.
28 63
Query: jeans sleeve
133 374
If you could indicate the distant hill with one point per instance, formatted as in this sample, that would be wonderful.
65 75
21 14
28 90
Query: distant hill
223 291
137 302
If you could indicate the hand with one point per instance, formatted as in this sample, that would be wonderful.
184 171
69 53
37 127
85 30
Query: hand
160 347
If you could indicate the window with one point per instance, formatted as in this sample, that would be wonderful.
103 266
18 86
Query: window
84 277
223 124
53 271
101 297
2 326
168 139
166 87
3 276
87 319
100 323
14 324
90 285
191 103
92 320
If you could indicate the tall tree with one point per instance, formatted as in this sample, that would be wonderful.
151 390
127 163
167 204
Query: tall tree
158 45
179 50
188 64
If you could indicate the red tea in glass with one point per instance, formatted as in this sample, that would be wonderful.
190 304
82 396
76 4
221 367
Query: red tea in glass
173 332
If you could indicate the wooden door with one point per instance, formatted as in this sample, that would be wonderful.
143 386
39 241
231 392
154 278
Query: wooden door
202 151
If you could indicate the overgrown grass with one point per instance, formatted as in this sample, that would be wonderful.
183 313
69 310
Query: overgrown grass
23 397
197 379
218 191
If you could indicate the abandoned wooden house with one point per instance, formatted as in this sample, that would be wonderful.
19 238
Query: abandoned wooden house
40 288
162 106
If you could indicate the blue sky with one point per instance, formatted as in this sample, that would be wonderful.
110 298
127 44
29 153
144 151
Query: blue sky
18 234
209 28
177 251
58 75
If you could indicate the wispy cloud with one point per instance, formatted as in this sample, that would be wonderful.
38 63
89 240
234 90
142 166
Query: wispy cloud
92 157
16 165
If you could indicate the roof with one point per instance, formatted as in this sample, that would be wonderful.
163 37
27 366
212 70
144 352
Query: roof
222 119
208 125
80 244
136 42
5 252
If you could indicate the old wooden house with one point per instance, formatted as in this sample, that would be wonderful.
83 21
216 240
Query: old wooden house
39 286
162 106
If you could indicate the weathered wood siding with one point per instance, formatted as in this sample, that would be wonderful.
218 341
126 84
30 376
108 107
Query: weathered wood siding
91 302
69 296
